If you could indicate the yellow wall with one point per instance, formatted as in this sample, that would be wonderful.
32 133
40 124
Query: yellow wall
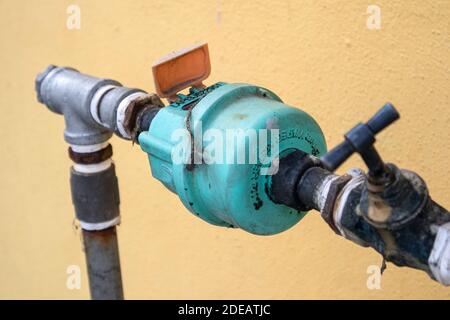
315 54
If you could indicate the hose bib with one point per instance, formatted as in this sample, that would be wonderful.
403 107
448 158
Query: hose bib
232 120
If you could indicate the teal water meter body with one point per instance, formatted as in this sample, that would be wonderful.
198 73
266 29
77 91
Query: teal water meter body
228 192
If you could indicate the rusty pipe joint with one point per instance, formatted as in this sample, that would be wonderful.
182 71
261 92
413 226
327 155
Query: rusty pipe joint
395 203
399 220
402 222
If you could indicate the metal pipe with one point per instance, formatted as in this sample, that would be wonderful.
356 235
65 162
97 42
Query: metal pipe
103 264
94 109
95 195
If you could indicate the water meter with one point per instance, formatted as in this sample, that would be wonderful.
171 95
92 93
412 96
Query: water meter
217 147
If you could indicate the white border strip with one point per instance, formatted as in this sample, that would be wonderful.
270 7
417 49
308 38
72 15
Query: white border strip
89 148
93 168
101 225
337 214
321 194
98 95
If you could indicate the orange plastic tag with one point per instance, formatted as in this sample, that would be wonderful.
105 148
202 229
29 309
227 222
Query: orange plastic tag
181 69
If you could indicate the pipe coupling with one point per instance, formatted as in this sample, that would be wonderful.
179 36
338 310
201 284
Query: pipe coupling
93 108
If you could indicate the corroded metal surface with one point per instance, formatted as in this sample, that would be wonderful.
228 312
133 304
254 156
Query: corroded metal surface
103 264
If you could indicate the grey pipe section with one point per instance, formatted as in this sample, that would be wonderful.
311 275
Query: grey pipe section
103 264
95 195
69 92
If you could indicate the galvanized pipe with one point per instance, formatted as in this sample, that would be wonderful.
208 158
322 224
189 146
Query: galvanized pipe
103 264
93 109
95 195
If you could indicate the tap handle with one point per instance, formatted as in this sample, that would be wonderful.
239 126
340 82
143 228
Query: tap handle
361 139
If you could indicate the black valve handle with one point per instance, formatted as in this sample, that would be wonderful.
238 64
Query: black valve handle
361 139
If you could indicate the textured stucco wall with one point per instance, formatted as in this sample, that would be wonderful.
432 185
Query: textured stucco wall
318 55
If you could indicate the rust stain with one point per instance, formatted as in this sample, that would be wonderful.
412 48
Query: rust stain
103 237
378 210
